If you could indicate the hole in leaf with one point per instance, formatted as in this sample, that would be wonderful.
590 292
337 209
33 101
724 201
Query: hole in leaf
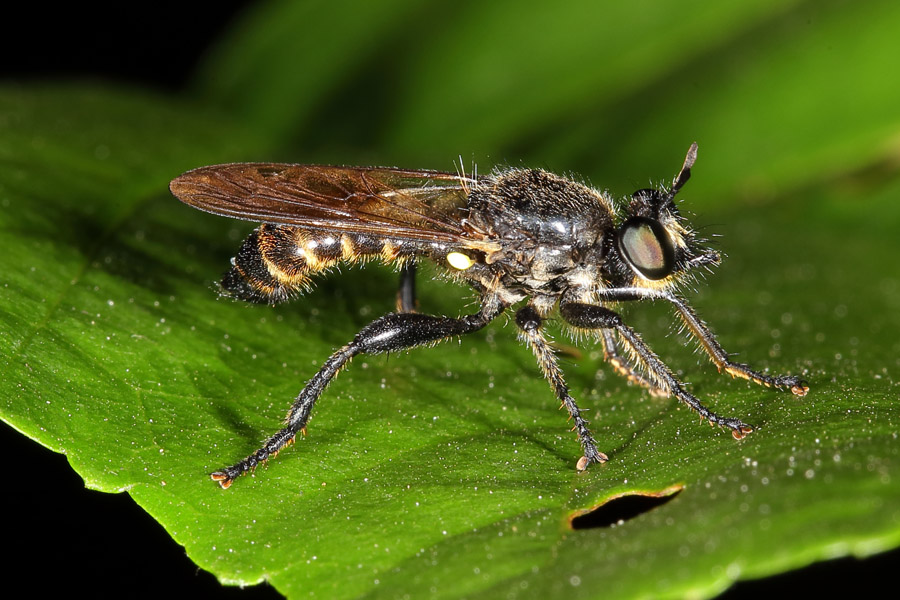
623 507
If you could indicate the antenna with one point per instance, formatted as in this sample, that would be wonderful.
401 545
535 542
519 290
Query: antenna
685 172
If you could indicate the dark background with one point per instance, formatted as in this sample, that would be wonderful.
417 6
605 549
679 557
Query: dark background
60 536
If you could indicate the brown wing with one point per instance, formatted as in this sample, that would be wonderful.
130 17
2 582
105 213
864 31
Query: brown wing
418 205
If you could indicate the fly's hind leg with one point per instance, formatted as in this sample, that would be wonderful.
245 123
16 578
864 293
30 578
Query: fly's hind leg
395 331
529 322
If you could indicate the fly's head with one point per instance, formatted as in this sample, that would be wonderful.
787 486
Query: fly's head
655 247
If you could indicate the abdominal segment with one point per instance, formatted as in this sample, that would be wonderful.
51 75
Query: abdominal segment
275 262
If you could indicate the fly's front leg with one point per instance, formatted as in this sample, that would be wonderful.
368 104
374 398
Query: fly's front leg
708 341
720 358
529 322
589 316
396 331
623 365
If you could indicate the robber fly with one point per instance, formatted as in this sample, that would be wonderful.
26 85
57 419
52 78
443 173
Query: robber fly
516 236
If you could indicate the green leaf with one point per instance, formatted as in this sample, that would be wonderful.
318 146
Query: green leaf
450 472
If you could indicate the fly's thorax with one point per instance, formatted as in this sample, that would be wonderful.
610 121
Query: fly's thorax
539 206
546 226
549 261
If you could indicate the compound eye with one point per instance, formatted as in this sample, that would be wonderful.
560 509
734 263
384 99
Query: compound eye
646 246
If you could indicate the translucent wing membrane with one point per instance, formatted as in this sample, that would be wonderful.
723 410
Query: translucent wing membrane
410 204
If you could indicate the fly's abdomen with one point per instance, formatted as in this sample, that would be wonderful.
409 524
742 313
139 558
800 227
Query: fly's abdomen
275 262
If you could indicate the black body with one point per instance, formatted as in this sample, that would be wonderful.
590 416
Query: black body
516 236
